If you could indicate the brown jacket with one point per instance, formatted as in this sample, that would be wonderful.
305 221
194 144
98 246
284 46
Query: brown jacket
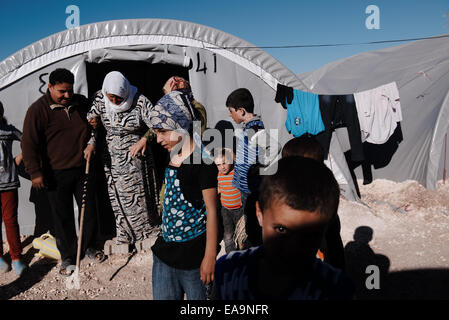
54 137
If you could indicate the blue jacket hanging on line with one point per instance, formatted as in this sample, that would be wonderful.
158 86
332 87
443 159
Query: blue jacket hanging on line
303 114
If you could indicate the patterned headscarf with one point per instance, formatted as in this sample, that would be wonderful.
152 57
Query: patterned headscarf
172 112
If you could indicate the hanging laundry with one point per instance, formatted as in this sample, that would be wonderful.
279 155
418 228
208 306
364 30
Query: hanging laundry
338 111
283 94
377 155
303 114
379 110
380 155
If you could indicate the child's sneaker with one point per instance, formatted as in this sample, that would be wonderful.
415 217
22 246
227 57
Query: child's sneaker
4 266
19 267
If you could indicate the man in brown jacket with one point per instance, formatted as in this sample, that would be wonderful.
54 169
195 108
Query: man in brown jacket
55 135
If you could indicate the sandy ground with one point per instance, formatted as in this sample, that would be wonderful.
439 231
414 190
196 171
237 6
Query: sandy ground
401 228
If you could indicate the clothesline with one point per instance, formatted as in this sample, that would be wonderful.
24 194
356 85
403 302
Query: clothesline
329 45
372 116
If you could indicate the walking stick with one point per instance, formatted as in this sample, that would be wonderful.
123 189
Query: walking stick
73 282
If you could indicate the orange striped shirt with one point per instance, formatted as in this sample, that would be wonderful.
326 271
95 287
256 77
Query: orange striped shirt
231 197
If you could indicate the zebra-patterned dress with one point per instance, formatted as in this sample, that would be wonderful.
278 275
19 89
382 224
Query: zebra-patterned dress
131 180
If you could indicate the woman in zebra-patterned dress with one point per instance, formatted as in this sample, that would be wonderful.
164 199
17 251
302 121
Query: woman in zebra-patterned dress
131 181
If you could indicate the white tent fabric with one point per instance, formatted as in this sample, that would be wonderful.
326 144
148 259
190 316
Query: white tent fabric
421 71
142 31
217 62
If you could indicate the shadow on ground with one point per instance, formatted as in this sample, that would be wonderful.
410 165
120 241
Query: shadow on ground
34 274
411 284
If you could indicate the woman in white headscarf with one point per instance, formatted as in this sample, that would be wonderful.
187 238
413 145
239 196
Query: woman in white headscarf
124 113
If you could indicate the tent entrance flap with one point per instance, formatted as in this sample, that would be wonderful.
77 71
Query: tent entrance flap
154 54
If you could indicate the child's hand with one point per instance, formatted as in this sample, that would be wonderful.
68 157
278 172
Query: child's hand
207 269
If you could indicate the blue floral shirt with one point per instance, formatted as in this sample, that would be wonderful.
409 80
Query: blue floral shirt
181 221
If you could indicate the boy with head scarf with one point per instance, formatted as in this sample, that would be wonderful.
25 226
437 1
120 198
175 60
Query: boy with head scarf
185 252
175 83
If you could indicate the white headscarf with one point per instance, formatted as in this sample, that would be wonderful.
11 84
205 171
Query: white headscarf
115 83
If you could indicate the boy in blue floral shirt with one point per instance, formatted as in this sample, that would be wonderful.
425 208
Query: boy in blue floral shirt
184 255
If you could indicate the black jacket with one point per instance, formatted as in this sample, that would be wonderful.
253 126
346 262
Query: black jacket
339 111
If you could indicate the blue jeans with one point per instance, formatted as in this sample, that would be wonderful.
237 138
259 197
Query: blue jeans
171 283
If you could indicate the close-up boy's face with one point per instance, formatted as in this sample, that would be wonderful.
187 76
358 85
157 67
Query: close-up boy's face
168 138
292 237
222 166
236 115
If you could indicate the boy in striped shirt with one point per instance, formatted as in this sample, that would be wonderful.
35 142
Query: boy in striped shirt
255 146
231 198
240 104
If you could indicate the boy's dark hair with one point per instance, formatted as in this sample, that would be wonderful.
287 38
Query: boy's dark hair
303 146
241 98
302 184
61 75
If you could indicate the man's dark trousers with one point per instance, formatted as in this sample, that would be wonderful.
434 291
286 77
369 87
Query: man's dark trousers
63 185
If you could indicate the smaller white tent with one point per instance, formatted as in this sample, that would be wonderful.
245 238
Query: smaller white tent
421 71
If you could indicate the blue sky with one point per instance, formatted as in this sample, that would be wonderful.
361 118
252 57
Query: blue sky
260 22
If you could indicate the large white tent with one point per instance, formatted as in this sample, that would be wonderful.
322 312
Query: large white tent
148 51
421 71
